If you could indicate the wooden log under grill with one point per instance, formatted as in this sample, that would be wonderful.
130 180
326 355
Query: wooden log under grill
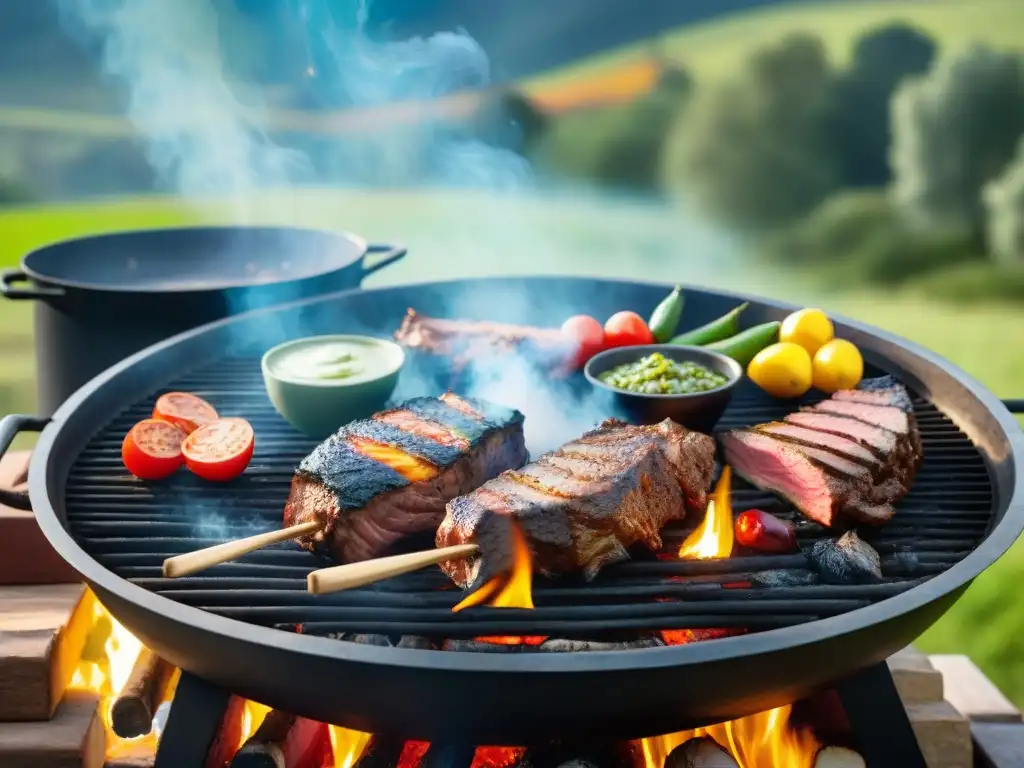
285 741
133 711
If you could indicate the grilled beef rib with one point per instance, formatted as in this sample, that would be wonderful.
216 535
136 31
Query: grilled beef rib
433 450
580 507
846 460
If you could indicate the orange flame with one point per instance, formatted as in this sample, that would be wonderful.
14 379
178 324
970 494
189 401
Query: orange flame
507 590
347 746
106 663
714 536
764 740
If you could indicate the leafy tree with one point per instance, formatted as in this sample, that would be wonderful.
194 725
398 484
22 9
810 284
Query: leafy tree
882 59
1004 203
953 131
754 151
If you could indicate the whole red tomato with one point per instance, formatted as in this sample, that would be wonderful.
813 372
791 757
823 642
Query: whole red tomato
587 334
626 329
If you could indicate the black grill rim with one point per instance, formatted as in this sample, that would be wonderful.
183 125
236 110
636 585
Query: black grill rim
975 410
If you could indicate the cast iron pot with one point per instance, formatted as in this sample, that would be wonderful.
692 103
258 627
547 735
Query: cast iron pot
100 299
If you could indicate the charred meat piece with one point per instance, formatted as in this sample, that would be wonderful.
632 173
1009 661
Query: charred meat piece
580 507
462 340
846 560
380 479
885 390
840 462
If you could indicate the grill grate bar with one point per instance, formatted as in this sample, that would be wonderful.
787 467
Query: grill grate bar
131 528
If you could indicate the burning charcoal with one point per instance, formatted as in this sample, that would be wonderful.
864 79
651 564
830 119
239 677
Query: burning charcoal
784 577
478 646
562 645
901 563
415 641
700 753
838 757
847 560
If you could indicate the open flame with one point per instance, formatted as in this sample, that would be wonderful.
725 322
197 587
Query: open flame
714 536
765 740
104 668
347 746
513 589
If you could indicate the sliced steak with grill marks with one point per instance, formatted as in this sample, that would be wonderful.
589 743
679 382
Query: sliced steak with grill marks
582 506
380 479
885 390
840 461
823 486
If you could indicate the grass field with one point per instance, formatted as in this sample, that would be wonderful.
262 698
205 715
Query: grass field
716 47
580 236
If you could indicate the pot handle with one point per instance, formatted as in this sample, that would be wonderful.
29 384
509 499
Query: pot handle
1014 406
9 277
10 428
391 254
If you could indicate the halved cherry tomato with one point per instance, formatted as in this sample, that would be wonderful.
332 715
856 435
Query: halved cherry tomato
221 450
187 411
152 449
587 334
626 329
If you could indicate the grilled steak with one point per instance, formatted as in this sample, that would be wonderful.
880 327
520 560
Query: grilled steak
840 462
377 480
580 507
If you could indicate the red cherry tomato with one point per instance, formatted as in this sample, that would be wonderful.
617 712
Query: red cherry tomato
152 449
626 329
587 334
186 411
221 450
764 532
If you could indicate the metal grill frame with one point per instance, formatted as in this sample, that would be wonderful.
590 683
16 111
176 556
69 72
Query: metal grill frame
658 690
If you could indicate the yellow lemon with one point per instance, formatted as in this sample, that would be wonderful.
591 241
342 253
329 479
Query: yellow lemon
810 328
837 365
782 370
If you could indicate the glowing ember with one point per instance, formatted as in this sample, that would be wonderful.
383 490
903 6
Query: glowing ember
347 746
714 536
497 757
508 590
412 468
765 740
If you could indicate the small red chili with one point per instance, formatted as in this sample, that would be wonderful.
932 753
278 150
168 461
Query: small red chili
761 531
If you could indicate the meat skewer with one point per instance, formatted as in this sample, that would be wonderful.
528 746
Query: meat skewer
379 479
579 508
844 461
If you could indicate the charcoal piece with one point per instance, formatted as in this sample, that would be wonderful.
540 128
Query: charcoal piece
903 562
846 560
563 645
784 577
700 752
362 639
577 762
478 646
415 641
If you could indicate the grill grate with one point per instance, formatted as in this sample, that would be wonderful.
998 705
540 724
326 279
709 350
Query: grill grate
130 528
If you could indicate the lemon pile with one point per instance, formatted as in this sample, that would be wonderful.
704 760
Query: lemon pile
807 355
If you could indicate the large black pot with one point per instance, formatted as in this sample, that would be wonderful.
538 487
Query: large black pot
100 299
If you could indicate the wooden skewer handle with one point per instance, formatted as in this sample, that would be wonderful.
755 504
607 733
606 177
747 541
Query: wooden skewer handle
353 575
201 559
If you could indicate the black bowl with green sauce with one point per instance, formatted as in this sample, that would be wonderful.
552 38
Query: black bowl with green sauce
652 382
